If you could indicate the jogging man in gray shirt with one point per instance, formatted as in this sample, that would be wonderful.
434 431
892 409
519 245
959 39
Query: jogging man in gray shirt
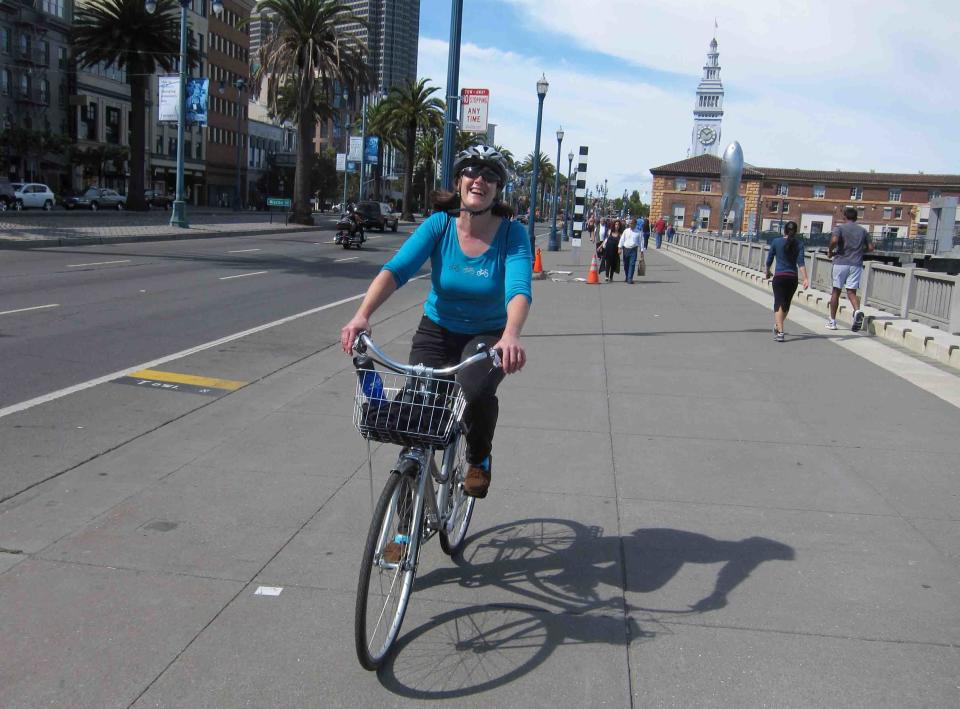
848 243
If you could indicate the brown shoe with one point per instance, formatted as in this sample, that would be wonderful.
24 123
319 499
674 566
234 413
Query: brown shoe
477 481
393 552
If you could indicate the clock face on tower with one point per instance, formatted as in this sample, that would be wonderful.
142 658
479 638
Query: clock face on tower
707 135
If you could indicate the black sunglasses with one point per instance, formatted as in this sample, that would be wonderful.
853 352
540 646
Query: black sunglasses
475 171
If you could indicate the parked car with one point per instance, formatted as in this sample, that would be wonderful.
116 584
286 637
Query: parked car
8 197
33 194
373 216
158 199
97 198
390 218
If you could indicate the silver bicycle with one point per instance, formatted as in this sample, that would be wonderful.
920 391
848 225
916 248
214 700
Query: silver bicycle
421 409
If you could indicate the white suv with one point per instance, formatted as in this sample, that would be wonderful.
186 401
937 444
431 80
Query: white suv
33 194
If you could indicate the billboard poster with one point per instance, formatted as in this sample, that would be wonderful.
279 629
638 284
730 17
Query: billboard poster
198 91
356 148
168 89
474 107
372 149
341 162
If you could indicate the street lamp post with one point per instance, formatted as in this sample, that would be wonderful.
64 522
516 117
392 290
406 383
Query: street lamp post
542 87
346 151
603 207
240 85
623 205
566 205
178 216
554 243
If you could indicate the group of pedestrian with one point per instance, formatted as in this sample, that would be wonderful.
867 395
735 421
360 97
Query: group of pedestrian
617 242
848 244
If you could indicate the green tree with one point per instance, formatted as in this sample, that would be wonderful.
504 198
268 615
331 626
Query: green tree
411 108
122 33
545 174
31 146
309 51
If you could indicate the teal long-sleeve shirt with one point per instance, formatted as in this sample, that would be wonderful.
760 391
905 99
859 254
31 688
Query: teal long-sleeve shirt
469 293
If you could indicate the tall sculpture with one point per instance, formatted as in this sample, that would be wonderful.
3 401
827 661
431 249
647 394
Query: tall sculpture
731 170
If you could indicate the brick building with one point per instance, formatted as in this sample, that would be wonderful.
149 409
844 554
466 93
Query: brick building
890 204
228 56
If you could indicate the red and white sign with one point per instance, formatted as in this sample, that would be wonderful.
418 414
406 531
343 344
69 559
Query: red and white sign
474 107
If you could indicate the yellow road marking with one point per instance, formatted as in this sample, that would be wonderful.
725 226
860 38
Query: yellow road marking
213 382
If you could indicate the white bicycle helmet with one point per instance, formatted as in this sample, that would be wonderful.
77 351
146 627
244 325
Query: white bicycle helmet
485 156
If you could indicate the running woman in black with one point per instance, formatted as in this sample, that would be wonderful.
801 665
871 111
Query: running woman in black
789 254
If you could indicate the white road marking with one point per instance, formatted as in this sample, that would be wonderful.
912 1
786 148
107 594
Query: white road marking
152 364
244 275
350 258
242 251
35 307
96 263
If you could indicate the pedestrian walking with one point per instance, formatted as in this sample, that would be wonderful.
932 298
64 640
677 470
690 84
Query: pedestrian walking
788 252
603 228
848 243
671 232
611 250
631 241
658 229
645 228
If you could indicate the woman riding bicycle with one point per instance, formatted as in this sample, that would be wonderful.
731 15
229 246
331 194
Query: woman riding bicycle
480 294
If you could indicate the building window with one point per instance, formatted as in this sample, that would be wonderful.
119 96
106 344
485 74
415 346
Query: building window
785 207
856 193
113 125
860 211
172 147
783 190
933 194
898 213
44 92
4 40
199 155
24 86
43 52
775 206
159 145
24 45
704 185
894 194
888 212
680 184
88 122
819 191
62 57
4 82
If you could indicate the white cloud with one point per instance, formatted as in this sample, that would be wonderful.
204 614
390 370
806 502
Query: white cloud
809 84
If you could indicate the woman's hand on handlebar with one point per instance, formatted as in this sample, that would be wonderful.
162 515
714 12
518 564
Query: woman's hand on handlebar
512 354
350 331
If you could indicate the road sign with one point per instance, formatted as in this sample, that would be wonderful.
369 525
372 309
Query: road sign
279 202
341 162
475 105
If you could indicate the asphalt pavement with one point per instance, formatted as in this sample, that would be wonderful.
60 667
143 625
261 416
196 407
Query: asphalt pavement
683 513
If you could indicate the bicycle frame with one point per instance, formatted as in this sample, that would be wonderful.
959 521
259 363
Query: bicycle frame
428 503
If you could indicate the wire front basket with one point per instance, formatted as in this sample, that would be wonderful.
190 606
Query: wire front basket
405 409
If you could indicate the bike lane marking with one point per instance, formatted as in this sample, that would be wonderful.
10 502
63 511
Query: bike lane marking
96 263
90 383
242 251
349 258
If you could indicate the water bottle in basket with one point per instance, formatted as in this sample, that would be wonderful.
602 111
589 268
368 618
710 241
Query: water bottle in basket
370 382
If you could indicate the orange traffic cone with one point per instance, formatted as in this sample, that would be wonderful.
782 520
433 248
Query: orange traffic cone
593 275
537 263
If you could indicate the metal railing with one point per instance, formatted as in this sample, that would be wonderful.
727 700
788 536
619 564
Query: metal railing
908 292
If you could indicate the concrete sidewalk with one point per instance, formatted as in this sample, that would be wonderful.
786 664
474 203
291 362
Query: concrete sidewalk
683 513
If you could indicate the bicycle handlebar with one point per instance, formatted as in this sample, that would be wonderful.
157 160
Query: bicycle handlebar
362 343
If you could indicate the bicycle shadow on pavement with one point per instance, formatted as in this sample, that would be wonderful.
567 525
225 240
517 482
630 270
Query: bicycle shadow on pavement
571 586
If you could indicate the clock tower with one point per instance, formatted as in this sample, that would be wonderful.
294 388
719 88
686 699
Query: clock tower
708 110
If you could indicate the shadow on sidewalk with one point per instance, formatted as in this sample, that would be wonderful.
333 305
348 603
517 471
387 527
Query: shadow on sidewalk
571 584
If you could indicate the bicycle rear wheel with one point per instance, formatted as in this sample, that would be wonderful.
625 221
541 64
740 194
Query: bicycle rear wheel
384 587
459 506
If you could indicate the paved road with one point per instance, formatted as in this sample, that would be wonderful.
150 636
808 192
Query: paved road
75 313
683 513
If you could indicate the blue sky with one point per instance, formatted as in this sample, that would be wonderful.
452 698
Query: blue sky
812 84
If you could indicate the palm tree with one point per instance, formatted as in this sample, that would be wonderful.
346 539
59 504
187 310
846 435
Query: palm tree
429 145
544 176
412 107
309 49
123 34
378 124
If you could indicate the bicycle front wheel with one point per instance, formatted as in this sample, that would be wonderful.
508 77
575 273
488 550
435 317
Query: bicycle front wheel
386 572
459 506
